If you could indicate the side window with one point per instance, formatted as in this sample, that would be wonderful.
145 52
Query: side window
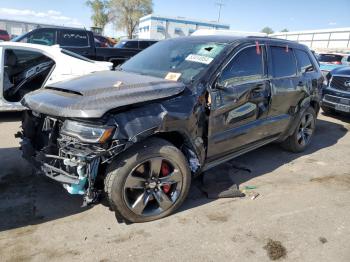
143 44
71 38
283 62
24 71
247 65
131 44
40 37
304 62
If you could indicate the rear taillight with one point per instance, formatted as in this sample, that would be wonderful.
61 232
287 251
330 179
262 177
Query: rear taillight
336 62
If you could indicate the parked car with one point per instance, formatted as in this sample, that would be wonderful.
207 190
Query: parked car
135 44
78 41
336 93
178 108
27 67
4 36
331 61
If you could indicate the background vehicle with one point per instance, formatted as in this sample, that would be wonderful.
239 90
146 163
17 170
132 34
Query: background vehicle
336 93
331 61
27 67
178 108
101 41
78 41
135 44
4 36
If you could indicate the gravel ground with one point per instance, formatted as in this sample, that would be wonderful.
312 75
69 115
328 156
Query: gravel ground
301 214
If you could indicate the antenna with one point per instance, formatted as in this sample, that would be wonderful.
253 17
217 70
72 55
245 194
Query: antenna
220 4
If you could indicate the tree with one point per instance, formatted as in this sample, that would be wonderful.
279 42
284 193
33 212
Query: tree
99 12
285 30
267 30
126 13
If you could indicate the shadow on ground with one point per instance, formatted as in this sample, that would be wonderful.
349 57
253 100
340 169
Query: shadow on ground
26 199
268 158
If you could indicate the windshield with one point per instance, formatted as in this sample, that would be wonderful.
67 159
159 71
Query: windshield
174 59
328 58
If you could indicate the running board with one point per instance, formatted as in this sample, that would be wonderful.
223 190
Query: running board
236 154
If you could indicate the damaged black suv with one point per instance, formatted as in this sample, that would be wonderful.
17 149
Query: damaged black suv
138 135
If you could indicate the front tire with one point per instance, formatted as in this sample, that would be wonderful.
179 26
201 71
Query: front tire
147 182
303 134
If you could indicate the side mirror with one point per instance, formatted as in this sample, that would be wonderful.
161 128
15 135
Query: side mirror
218 84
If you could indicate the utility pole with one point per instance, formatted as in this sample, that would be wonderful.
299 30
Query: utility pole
220 4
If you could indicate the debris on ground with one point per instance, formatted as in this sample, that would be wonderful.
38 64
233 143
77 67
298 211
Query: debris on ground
217 183
323 240
255 196
249 187
275 249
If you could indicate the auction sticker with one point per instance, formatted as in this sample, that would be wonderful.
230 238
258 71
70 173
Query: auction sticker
199 59
172 76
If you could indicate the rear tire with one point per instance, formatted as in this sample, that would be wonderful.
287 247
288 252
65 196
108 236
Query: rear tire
303 134
133 189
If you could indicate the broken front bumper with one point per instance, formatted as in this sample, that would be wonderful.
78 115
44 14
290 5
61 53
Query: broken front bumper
63 158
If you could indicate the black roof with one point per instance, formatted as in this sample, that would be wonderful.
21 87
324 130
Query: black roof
232 38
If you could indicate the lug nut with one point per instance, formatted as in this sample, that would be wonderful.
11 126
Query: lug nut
152 177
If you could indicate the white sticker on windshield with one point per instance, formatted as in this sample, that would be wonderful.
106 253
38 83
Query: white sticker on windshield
173 76
199 59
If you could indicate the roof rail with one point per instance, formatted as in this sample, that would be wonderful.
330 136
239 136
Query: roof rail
200 32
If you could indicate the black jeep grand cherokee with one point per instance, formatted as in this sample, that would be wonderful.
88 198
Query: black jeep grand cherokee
180 107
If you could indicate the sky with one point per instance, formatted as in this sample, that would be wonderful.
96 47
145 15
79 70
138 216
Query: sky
241 15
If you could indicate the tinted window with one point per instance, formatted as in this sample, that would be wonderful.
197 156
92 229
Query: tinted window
247 65
41 37
348 58
329 58
143 44
74 38
283 62
24 72
131 44
304 62
3 32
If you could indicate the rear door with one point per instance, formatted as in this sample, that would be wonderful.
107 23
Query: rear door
288 86
241 98
76 41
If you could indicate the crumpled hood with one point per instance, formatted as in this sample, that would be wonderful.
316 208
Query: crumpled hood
91 96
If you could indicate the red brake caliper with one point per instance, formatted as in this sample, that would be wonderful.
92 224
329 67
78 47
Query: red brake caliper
165 171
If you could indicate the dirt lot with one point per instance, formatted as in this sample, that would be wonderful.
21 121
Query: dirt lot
301 214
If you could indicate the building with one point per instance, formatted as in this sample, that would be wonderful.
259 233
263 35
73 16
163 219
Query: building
337 39
16 27
162 27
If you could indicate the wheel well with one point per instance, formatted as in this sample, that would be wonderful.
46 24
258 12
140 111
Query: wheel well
176 138
315 105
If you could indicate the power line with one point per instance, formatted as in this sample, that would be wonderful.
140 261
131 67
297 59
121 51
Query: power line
220 4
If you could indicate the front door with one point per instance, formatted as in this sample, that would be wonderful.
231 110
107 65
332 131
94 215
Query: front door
240 103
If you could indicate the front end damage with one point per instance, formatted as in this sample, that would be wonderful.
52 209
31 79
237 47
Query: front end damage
65 158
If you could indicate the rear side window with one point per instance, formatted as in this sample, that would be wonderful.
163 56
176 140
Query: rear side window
304 62
3 32
283 62
71 38
246 66
143 44
131 44
330 58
